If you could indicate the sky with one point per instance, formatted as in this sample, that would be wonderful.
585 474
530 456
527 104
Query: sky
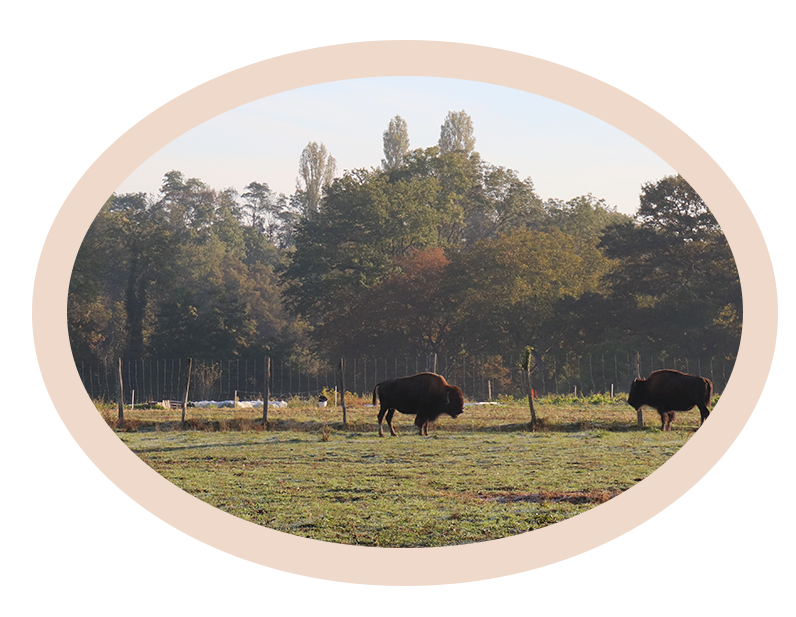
565 151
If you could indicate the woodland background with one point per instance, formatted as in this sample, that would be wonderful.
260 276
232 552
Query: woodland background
434 251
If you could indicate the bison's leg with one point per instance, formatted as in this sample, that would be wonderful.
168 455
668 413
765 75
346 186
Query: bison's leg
704 412
422 424
663 420
669 419
390 414
382 411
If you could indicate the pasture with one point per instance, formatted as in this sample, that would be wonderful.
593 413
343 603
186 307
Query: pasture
479 477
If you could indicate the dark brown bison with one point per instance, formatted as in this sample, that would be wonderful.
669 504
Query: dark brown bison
425 395
669 391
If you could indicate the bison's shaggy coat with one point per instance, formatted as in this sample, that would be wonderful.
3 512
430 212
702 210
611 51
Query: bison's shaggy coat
669 391
425 395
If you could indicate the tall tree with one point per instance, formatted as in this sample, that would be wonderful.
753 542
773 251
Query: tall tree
396 144
349 245
676 286
407 313
506 288
262 207
141 257
189 204
96 319
502 202
585 216
317 168
672 206
456 133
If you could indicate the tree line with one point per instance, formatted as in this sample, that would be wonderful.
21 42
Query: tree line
434 251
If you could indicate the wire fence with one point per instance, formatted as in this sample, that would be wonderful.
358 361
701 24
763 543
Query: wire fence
481 378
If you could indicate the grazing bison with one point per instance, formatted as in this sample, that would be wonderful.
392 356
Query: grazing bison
670 391
426 395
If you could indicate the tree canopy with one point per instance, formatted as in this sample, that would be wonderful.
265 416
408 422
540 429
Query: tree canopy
433 251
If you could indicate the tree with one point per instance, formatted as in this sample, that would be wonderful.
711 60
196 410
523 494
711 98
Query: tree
349 245
456 133
316 171
676 287
142 257
178 276
585 216
96 321
407 313
263 207
502 202
673 207
188 205
459 191
506 288
396 144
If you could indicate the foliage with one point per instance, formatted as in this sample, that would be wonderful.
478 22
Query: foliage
509 287
179 276
316 170
437 251
456 133
676 286
396 144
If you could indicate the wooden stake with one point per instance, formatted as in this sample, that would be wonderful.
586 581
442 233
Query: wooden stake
120 395
267 391
187 389
341 368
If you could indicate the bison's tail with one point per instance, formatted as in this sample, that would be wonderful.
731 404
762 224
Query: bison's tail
708 391
375 390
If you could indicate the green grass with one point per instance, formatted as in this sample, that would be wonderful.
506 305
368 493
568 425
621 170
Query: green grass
479 477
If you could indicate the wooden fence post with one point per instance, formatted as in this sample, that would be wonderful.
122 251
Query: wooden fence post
639 413
187 389
267 389
120 395
341 367
526 372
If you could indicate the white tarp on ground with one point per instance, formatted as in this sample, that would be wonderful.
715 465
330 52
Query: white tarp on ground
466 404
241 404
258 404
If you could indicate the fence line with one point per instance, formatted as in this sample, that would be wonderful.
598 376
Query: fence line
478 376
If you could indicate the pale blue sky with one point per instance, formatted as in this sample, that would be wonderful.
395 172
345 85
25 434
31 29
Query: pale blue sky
565 151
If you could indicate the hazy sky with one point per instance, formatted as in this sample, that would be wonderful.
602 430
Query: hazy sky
565 151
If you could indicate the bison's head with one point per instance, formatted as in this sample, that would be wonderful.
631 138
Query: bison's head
454 404
637 392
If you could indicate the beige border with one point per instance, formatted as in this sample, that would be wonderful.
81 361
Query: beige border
707 517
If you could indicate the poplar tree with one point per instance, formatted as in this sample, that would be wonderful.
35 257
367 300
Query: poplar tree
396 144
456 133
316 171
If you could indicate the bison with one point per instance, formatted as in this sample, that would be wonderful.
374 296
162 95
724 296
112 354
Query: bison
669 391
426 395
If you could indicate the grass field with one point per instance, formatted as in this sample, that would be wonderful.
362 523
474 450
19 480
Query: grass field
479 477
